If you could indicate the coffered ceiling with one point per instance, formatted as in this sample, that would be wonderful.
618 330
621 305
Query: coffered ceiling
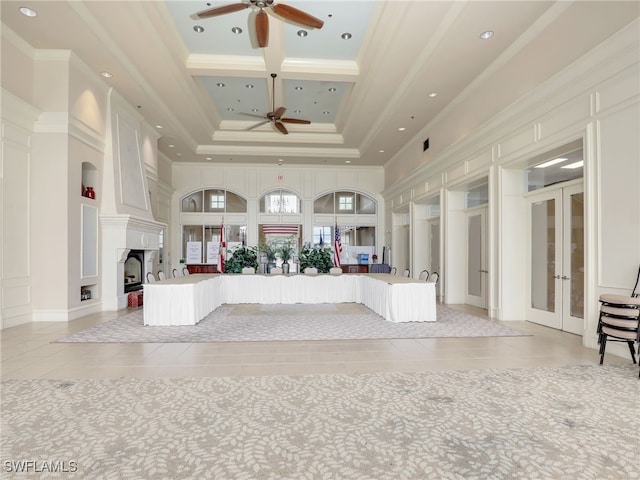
363 80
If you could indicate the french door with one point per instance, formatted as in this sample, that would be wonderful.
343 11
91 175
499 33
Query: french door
556 259
477 272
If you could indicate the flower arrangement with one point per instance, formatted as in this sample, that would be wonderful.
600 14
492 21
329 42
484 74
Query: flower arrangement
374 257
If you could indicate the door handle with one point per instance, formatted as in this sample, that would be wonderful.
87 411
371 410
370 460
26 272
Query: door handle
564 277
557 277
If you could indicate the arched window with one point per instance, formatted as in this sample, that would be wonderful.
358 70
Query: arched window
356 214
345 202
280 201
215 201
201 242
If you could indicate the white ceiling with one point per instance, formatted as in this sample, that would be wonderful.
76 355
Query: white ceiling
399 52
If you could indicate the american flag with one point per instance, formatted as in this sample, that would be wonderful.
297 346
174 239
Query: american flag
223 249
280 229
337 247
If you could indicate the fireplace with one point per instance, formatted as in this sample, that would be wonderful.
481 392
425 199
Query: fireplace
134 271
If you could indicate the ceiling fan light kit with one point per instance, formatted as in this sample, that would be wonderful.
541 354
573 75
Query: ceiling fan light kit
286 12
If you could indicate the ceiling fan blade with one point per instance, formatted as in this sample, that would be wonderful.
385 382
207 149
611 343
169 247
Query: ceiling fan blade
262 29
278 124
296 16
279 112
214 12
251 115
295 120
259 124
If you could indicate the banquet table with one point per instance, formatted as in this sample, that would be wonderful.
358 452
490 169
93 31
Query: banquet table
187 300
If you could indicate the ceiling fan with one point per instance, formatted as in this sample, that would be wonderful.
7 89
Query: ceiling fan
275 115
286 12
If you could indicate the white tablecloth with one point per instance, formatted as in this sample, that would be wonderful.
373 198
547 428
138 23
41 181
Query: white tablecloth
187 300
182 300
290 289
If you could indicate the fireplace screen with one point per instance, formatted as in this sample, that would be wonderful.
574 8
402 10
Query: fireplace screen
134 271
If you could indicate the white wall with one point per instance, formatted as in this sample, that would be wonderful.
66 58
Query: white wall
253 181
597 100
54 119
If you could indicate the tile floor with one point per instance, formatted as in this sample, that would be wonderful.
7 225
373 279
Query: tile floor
28 352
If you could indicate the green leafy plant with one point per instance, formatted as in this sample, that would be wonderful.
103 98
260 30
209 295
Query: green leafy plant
318 257
286 250
242 257
268 250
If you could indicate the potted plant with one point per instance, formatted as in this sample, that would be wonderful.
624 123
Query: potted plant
374 258
285 252
270 252
241 257
318 257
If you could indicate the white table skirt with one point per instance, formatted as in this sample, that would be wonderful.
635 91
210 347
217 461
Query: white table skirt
187 300
290 289
182 300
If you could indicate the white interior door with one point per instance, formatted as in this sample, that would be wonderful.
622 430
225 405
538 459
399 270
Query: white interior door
556 253
573 260
476 289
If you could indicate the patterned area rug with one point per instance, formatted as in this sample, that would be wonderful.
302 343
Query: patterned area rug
578 422
242 323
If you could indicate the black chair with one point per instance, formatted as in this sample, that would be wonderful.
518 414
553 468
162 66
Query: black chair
185 271
161 275
619 321
433 278
393 271
424 275
175 272
150 277
406 273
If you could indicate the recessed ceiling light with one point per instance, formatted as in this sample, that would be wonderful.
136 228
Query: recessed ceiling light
551 162
579 164
28 12
402 129
208 158
171 145
486 35
298 88
248 85
325 112
236 30
230 109
158 126
255 110
381 151
347 161
346 36
178 154
198 29
297 111
302 33
106 74
433 94
220 84
332 89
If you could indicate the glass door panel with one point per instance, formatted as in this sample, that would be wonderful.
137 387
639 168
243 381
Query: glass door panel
573 276
543 255
476 258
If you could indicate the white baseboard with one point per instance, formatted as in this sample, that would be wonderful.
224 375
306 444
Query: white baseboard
66 315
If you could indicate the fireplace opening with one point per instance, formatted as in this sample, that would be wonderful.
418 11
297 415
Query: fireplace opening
134 271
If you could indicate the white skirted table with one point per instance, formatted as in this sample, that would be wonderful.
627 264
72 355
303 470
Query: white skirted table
187 300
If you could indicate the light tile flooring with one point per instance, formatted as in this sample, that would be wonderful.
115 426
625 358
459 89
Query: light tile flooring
28 353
